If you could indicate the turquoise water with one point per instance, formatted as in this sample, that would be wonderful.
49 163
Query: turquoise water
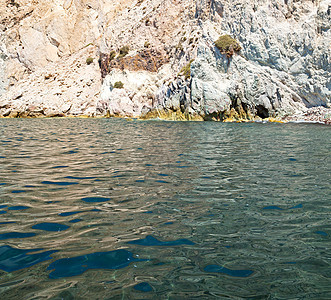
116 209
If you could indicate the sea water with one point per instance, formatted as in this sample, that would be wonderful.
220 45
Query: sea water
118 209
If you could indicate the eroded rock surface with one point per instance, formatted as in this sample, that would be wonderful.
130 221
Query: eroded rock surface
170 60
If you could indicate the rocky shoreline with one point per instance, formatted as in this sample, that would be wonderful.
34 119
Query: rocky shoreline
316 115
320 115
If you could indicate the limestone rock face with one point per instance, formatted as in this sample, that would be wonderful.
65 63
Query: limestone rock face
165 55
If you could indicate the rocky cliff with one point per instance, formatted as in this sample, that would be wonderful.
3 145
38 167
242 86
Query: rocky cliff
161 57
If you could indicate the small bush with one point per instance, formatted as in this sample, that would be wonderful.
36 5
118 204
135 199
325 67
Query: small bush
227 45
124 51
89 60
112 55
118 85
147 44
186 70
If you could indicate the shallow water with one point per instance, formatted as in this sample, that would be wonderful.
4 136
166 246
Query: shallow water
116 209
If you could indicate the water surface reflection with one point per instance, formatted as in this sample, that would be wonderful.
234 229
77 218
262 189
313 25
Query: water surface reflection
128 209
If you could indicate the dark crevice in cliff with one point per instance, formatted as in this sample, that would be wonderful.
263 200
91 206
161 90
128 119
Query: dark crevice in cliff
262 112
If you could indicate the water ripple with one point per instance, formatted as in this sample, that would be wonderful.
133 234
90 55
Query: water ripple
253 198
74 266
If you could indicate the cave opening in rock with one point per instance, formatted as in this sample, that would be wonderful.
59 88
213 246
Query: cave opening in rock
262 112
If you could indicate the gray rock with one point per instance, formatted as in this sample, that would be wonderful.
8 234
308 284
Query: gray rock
283 68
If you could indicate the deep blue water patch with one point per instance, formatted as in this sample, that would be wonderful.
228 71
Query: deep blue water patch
140 180
3 206
273 207
79 178
16 235
60 167
2 212
95 199
2 183
29 186
163 175
234 273
62 183
74 266
168 223
152 241
50 226
8 222
161 181
70 213
75 220
143 287
148 212
12 259
71 152
292 159
323 233
18 207
18 191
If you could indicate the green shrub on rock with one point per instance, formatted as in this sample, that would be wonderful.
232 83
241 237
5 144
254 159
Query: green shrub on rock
89 60
124 51
112 55
118 85
227 45
186 70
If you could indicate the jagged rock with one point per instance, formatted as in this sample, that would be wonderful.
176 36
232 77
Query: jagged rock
283 67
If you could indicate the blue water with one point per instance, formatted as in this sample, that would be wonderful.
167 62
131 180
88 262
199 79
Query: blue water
50 226
68 267
152 241
116 209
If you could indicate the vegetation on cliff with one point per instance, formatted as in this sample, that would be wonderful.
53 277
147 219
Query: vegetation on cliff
186 70
89 60
124 51
227 45
118 85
